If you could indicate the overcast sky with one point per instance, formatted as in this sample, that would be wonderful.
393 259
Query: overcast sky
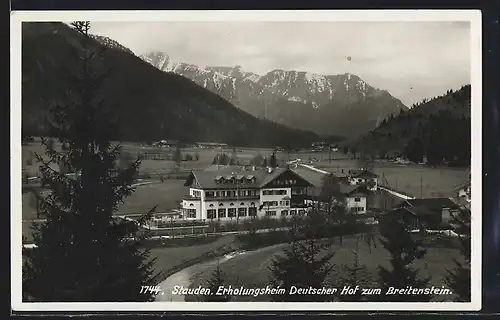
412 60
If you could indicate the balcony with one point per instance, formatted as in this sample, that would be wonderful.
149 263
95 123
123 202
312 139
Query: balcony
232 198
190 197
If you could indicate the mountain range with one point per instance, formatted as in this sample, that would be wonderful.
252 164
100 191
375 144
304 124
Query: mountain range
343 105
148 104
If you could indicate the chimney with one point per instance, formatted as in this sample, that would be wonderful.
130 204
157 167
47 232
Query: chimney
269 170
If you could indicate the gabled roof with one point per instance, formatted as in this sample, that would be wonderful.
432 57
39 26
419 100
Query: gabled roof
363 174
462 185
435 204
316 179
260 178
419 211
276 172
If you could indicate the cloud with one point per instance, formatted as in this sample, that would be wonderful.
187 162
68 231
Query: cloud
412 60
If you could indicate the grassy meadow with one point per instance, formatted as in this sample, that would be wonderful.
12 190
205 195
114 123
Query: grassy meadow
251 270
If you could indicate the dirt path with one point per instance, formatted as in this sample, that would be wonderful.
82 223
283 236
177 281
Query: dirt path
185 276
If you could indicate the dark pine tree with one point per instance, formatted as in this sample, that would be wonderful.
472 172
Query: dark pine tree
414 150
216 281
354 275
272 161
264 162
82 253
305 262
177 157
234 157
404 250
459 280
332 203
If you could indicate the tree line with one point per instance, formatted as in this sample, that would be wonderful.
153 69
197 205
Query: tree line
443 139
258 160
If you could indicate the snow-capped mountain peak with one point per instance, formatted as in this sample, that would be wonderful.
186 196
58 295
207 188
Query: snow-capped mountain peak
260 95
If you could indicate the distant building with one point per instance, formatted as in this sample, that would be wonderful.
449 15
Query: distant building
229 194
165 143
430 213
355 195
363 177
319 146
463 192
211 145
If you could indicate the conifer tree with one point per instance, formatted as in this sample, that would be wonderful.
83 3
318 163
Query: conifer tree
403 250
177 157
459 280
82 253
264 162
272 161
354 276
216 281
332 199
305 262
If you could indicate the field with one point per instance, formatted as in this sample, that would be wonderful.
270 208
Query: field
251 269
205 157
166 196
417 180
168 258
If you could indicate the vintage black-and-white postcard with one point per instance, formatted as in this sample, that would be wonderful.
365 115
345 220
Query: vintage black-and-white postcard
201 160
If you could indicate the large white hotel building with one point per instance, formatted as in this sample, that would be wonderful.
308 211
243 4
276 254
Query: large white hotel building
232 193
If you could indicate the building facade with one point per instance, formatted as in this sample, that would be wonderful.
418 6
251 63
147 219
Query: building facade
431 213
232 194
354 195
364 177
463 192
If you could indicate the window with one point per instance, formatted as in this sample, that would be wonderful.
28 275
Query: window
218 193
211 213
231 212
210 194
222 213
284 213
287 203
196 193
293 212
357 199
252 203
242 212
211 205
270 213
231 204
242 204
267 192
252 212
191 213
221 204
274 203
191 204
302 212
